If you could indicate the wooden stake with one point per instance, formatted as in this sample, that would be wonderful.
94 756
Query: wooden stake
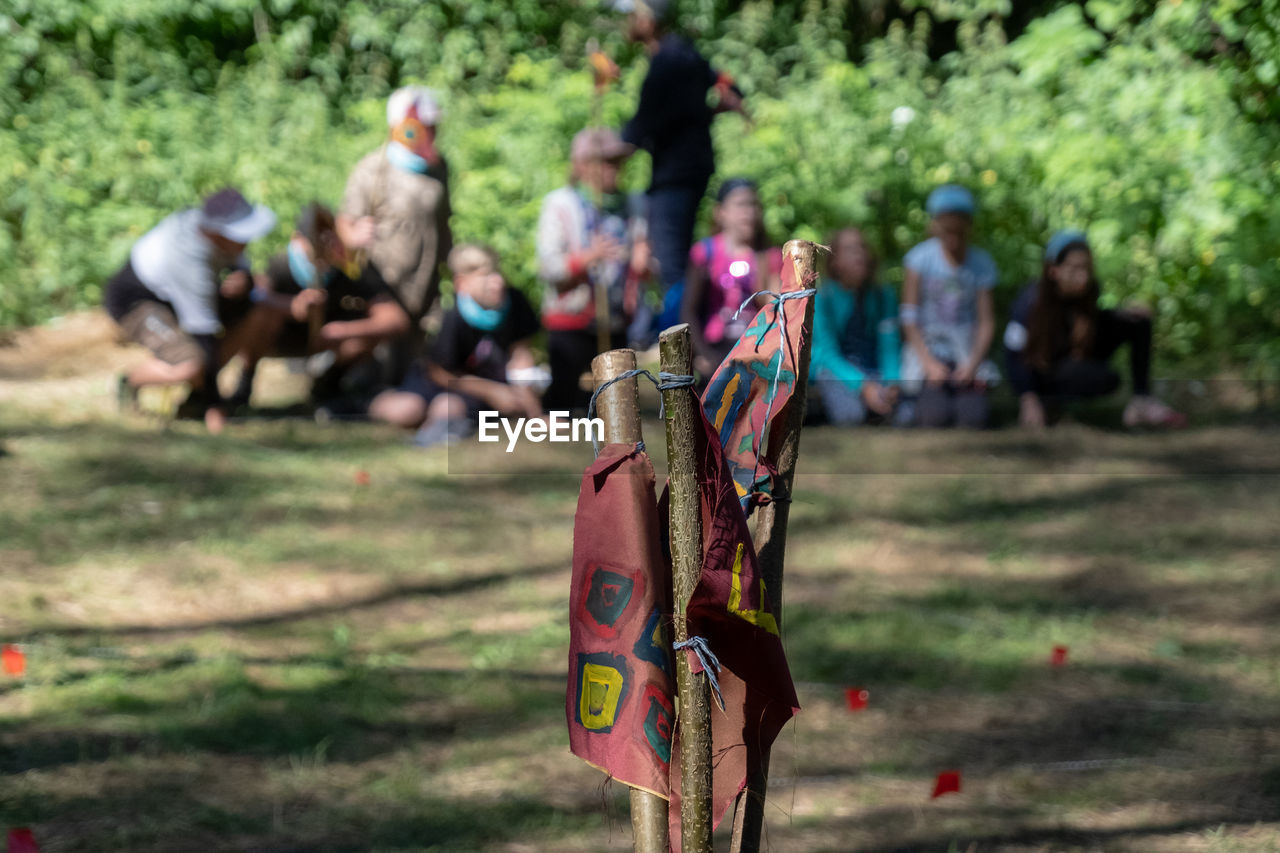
600 291
619 407
315 321
675 346
771 531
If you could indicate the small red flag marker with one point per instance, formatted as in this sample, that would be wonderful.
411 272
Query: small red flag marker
21 840
1058 657
15 662
362 478
856 697
948 782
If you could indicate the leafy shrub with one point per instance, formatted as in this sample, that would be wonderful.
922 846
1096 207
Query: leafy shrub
1130 119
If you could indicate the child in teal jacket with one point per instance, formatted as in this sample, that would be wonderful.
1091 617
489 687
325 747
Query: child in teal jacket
856 343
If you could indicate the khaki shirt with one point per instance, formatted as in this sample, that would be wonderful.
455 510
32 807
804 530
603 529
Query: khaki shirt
411 234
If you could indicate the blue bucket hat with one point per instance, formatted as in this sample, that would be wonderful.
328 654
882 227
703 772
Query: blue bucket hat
950 198
1063 240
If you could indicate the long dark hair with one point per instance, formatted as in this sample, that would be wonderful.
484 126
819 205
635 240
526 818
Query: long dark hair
760 242
873 260
314 222
1049 335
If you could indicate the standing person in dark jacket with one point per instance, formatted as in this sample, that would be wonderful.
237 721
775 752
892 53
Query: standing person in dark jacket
673 123
1059 342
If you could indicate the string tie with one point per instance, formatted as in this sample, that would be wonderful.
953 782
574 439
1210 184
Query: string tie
710 663
663 382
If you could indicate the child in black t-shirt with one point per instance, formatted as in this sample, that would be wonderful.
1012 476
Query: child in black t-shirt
482 337
321 310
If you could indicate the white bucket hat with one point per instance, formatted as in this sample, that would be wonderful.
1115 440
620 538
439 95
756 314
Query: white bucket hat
230 214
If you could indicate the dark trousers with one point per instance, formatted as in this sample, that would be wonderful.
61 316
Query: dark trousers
1074 378
570 354
673 211
964 406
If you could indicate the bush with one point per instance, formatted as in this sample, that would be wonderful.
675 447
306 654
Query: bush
1102 116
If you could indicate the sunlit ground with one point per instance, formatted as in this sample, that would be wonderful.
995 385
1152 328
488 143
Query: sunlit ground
234 645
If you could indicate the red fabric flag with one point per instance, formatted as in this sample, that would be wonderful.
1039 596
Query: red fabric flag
730 608
22 840
14 661
948 782
753 384
619 699
856 697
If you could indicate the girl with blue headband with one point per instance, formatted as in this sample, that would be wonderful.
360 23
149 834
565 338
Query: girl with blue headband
1059 342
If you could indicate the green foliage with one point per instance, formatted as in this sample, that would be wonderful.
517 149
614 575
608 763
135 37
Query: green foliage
1147 123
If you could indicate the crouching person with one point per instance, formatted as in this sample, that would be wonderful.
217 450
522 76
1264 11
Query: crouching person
324 309
856 342
482 337
185 295
1060 341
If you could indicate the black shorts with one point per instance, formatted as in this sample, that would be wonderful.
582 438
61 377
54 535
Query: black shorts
417 382
152 322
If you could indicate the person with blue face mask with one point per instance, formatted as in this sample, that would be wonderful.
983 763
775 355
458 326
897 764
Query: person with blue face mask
395 210
326 309
483 339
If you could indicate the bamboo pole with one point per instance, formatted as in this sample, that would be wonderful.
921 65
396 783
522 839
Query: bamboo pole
619 407
675 346
771 532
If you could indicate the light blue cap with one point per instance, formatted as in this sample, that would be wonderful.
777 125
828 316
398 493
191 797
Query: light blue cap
950 198
1061 240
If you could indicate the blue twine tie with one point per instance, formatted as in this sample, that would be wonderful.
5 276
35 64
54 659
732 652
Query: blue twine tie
664 382
710 663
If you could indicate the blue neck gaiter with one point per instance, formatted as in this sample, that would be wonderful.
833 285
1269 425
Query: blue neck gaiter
301 267
403 158
484 319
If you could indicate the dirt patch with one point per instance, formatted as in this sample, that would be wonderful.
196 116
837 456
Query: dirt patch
69 365
82 344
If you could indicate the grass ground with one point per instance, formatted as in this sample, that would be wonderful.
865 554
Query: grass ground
233 645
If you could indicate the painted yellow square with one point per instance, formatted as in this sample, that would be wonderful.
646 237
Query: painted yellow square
601 689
